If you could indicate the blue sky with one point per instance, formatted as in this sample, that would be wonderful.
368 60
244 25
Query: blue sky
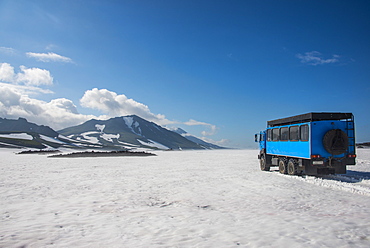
217 69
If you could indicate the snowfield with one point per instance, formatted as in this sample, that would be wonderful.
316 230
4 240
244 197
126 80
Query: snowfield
216 198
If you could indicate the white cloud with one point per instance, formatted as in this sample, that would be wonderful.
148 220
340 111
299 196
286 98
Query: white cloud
58 113
222 142
9 97
212 128
27 90
6 72
26 76
192 122
316 58
34 76
63 103
15 100
211 132
49 57
113 104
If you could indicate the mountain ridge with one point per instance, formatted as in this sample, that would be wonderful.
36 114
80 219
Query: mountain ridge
118 133
130 129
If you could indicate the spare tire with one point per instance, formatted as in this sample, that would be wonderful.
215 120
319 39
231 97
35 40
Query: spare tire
335 141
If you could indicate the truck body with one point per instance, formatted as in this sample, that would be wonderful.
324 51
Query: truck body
312 144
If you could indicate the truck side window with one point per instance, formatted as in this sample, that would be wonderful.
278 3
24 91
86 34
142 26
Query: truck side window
284 133
304 132
275 134
294 133
269 135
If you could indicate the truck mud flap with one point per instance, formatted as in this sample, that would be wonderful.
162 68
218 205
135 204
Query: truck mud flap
325 171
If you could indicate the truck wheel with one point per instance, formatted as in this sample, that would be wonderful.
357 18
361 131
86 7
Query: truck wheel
282 166
292 167
335 141
263 164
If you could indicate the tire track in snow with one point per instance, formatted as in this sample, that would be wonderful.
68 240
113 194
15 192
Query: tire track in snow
353 184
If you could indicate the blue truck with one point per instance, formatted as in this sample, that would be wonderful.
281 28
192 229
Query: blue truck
310 144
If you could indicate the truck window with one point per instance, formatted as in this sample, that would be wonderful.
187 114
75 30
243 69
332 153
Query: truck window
294 133
275 134
284 133
304 133
269 135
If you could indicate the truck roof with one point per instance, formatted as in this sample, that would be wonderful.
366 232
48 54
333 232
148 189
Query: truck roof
313 116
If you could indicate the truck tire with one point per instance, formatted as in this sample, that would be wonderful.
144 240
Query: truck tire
263 163
335 141
292 167
282 166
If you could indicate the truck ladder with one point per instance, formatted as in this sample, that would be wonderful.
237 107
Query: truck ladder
351 135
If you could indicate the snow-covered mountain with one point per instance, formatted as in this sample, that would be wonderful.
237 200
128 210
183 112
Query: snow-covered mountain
119 133
21 133
22 125
129 132
194 139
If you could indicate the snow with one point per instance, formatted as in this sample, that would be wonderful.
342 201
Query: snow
212 198
47 138
8 145
66 138
17 136
103 135
89 138
152 143
127 144
100 128
94 139
129 122
109 137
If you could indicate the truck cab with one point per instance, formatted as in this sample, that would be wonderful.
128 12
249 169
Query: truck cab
261 138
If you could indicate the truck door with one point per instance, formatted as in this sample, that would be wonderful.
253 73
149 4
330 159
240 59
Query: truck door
262 140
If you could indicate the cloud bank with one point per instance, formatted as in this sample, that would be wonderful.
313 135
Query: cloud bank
15 100
113 105
57 113
26 76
